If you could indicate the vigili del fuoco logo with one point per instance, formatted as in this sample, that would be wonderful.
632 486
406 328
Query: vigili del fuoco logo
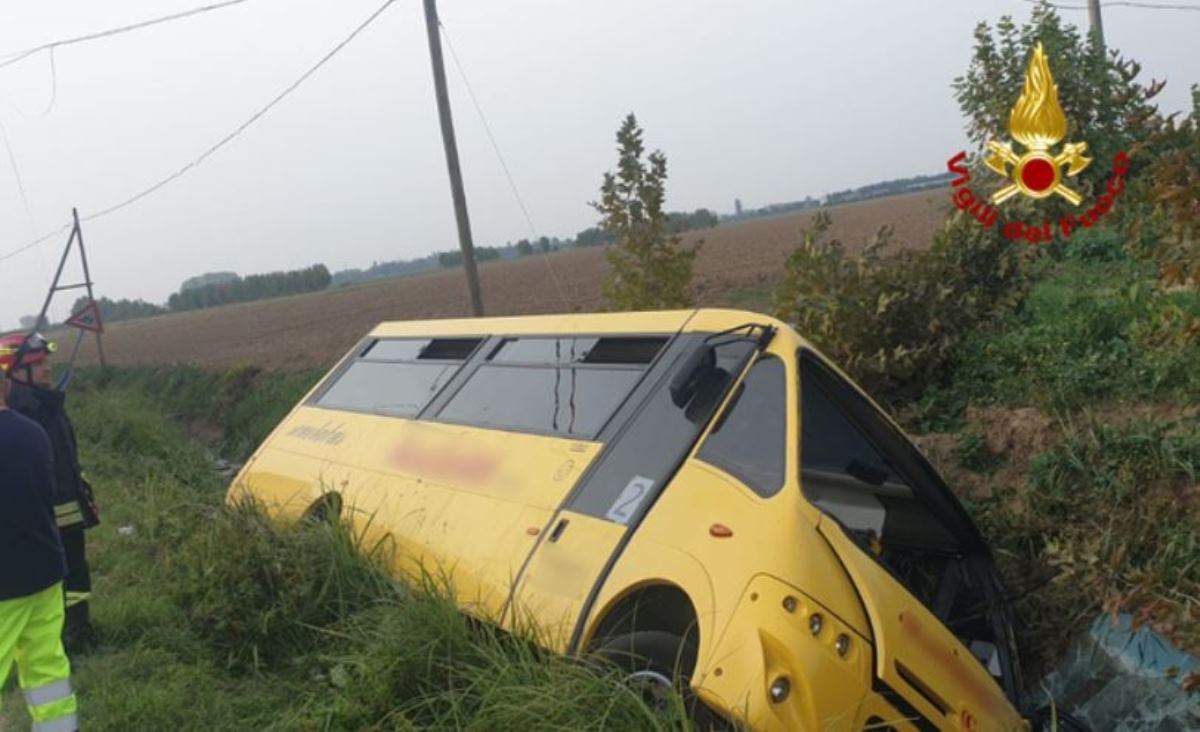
1036 169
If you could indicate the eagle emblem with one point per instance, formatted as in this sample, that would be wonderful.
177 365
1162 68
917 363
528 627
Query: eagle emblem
1038 123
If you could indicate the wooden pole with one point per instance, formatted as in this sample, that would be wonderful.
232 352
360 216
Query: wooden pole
1095 22
448 141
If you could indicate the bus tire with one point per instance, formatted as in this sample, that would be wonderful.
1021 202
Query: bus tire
657 663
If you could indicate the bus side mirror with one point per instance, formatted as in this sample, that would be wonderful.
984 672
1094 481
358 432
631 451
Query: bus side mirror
698 364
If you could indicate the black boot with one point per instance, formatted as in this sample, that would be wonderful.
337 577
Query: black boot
78 634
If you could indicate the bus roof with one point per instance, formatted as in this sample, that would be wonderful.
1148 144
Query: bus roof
662 321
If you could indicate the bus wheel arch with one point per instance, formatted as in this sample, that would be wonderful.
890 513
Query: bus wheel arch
658 608
652 635
327 509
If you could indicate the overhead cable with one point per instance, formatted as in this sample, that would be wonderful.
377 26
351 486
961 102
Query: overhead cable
12 58
220 143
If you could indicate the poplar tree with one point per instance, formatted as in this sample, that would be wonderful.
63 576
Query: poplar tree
649 267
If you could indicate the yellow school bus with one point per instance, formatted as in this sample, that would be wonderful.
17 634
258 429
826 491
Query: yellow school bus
698 495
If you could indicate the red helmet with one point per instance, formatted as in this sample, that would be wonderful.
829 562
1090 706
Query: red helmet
18 351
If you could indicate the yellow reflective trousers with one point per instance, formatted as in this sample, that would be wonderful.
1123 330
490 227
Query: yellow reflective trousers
31 635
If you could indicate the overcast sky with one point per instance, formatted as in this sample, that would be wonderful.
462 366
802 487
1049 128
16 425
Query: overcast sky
762 100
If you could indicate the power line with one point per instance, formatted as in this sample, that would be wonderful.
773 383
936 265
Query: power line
20 180
41 240
18 56
503 165
1123 3
220 143
12 160
53 91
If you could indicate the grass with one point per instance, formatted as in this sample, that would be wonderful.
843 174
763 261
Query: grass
1109 519
1108 515
231 411
973 453
1088 333
212 618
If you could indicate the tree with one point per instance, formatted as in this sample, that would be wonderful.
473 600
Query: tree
1172 193
681 221
649 267
1099 93
525 248
1112 111
224 291
113 311
593 236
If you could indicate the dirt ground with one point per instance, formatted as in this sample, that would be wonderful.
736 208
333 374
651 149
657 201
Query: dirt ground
737 264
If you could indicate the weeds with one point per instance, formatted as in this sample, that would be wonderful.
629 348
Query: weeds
972 452
1111 515
214 618
256 592
1087 333
243 404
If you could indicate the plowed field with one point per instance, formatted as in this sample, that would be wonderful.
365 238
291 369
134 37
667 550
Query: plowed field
737 264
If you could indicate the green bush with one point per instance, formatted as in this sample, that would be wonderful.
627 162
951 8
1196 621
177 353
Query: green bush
895 319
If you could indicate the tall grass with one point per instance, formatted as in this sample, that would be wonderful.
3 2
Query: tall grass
1108 518
214 618
233 410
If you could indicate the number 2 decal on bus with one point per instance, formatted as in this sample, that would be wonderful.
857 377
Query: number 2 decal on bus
630 500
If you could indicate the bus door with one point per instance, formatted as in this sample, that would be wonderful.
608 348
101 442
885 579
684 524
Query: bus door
645 443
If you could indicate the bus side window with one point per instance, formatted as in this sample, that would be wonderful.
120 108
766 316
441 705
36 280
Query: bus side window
750 442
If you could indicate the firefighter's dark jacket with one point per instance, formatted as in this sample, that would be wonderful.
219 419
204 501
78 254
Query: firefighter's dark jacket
47 407
31 552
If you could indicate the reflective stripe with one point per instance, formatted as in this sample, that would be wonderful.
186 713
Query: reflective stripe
71 520
51 692
65 723
74 598
66 507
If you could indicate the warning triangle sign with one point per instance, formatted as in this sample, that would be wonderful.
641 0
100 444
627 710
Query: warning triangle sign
88 318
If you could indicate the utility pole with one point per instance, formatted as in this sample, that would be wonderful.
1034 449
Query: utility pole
1095 24
448 141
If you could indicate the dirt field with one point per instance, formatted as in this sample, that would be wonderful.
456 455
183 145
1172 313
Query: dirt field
736 266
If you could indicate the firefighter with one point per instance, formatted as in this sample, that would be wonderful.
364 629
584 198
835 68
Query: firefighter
33 395
32 571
